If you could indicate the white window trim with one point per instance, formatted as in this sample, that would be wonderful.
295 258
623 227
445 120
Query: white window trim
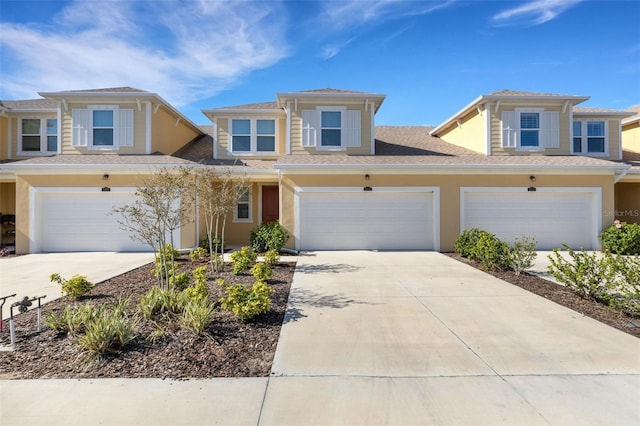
541 145
343 145
236 219
43 137
253 147
584 143
114 109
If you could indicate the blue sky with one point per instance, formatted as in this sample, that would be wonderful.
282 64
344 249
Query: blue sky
430 58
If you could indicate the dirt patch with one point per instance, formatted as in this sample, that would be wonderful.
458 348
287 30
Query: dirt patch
230 348
565 297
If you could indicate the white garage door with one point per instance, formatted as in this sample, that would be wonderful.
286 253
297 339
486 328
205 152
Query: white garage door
553 216
352 219
81 220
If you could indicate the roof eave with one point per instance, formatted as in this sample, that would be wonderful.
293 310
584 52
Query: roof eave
215 111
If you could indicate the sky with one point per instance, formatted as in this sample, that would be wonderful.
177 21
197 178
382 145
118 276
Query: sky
430 58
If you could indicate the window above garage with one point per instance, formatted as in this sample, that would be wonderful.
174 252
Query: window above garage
102 127
37 136
530 129
590 138
253 136
331 128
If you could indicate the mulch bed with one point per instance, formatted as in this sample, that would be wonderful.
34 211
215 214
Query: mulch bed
565 297
230 347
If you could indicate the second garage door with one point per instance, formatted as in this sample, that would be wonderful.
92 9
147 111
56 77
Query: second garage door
552 215
81 220
352 219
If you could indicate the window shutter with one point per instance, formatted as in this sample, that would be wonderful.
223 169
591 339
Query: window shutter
80 122
309 127
550 127
509 129
351 129
125 127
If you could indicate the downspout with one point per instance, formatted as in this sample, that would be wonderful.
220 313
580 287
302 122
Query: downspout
623 173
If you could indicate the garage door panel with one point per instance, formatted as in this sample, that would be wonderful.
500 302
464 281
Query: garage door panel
82 221
553 218
357 220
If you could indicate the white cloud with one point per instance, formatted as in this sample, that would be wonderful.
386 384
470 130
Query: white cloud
534 12
184 51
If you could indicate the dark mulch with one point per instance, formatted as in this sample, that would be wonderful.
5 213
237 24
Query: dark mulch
565 297
230 348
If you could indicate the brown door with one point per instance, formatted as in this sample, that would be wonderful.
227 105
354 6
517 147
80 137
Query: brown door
270 206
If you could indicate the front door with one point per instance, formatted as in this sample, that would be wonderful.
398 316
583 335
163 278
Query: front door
270 206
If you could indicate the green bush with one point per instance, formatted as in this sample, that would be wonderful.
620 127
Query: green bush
271 257
261 271
246 303
621 238
74 287
522 254
625 286
180 280
243 259
110 330
165 266
269 236
197 254
585 274
466 242
217 244
491 252
197 315
200 291
158 302
72 319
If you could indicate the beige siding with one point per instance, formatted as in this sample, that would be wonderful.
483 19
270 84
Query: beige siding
631 136
223 136
139 130
168 137
627 202
296 129
26 182
449 193
496 130
471 133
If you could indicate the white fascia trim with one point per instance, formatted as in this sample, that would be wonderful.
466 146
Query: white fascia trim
487 123
288 130
596 204
214 136
59 132
373 132
298 190
252 111
147 106
9 141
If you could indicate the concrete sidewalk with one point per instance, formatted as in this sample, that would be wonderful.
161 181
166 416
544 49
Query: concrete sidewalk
395 338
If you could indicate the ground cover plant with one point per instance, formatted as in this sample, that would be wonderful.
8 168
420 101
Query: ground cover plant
128 327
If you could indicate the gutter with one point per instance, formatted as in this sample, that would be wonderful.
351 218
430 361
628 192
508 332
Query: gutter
623 173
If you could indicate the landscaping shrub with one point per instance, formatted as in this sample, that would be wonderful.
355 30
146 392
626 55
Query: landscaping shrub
243 259
200 291
622 238
157 302
180 280
261 271
197 315
585 274
522 254
165 265
110 330
625 285
74 287
271 257
491 252
197 254
466 242
72 319
269 236
246 303
217 244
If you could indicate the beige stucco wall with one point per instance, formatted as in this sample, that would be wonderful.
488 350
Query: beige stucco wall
24 183
627 202
223 136
449 193
631 136
166 136
7 198
470 134
296 128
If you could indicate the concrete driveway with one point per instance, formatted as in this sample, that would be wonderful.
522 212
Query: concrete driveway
418 338
29 275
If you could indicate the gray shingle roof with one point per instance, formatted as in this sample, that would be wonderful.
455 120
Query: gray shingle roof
507 92
255 106
35 104
330 90
591 110
104 159
124 89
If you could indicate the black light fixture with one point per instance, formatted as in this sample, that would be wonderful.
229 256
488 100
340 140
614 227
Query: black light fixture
532 178
367 177
105 176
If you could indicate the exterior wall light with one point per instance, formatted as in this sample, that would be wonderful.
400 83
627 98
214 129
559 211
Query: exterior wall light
532 178
105 176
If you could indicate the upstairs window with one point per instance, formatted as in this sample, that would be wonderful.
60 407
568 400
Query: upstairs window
38 136
331 129
532 129
102 127
251 136
589 137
